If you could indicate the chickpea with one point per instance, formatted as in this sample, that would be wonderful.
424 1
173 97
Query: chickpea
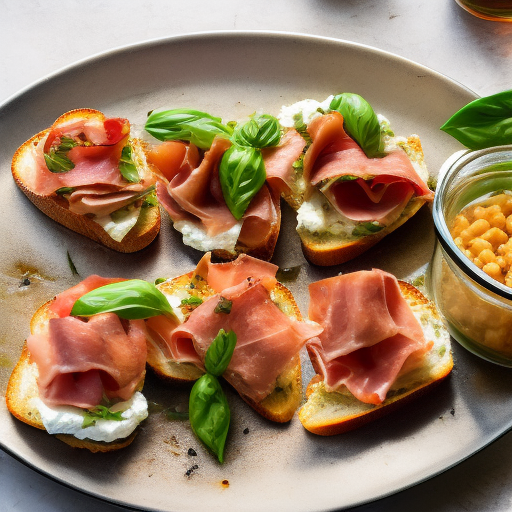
493 270
477 245
460 223
479 227
496 236
487 256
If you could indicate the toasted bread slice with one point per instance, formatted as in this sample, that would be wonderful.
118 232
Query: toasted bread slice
331 250
22 393
329 413
281 404
56 207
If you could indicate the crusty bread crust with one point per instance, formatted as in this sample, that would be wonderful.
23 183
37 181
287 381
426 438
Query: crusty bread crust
141 235
327 414
22 390
329 253
281 404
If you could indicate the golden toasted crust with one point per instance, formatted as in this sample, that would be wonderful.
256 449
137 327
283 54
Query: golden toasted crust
22 391
141 235
326 413
281 404
324 253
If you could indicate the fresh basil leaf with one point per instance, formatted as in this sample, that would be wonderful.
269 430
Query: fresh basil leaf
194 126
484 122
193 300
223 306
366 228
133 299
150 200
209 414
360 122
100 412
219 353
58 162
66 143
261 131
127 167
242 174
160 280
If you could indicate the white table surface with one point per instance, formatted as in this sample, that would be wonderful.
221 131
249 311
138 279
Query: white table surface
39 37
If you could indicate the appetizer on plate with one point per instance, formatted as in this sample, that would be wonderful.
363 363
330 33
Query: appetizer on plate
242 296
355 181
80 378
382 343
213 181
86 173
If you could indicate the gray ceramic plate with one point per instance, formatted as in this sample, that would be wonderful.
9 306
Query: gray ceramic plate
272 467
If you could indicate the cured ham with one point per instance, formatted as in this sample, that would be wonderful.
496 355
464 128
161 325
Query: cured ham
220 276
360 188
95 158
193 194
369 333
267 339
279 161
81 360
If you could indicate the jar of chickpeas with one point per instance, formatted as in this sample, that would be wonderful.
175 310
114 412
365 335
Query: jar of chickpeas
470 275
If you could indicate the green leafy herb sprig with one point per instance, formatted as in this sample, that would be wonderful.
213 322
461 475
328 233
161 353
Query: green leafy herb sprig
208 406
484 122
127 167
241 171
360 122
100 412
134 299
56 159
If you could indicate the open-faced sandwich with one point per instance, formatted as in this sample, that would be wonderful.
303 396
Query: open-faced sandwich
213 181
354 183
80 378
86 173
382 344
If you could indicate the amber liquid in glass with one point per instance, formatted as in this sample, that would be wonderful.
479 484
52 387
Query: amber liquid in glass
495 10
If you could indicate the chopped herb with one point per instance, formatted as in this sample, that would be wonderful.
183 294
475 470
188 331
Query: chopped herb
160 280
366 228
437 331
150 200
419 281
301 127
127 167
191 301
57 160
224 306
176 415
442 351
74 271
100 413
64 190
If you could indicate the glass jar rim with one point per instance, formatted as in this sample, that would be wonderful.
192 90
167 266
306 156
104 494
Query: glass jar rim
447 173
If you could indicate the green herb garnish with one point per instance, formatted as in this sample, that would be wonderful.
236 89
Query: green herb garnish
242 174
74 271
360 122
133 299
100 412
260 131
194 126
366 228
223 306
484 122
64 190
219 353
57 160
193 300
301 127
127 167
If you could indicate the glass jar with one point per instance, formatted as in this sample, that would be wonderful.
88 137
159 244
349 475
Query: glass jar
477 308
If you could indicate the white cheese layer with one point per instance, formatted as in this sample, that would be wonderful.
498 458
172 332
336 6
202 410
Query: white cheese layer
197 238
69 419
308 108
119 225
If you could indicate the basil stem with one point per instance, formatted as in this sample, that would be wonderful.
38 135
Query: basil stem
194 126
100 412
127 167
242 174
209 414
133 299
360 122
484 122
260 131
219 353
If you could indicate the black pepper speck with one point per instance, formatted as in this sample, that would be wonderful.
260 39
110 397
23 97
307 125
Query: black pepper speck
192 452
246 431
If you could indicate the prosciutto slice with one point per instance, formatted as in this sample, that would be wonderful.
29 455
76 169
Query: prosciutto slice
194 194
369 333
377 188
79 361
267 339
279 161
